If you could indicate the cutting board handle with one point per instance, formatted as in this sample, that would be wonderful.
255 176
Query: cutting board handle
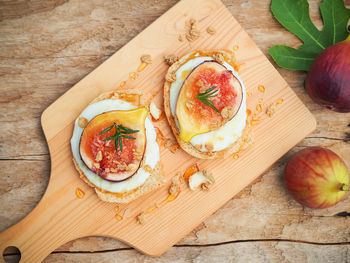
43 229
24 236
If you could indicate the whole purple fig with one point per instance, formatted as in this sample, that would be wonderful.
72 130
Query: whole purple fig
328 80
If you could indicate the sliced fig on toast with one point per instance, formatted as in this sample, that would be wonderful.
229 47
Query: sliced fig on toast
197 113
115 155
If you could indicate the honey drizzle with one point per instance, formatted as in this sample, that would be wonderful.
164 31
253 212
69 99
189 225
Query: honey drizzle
79 193
142 66
122 84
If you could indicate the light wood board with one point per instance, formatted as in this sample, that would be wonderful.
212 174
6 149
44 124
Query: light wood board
61 216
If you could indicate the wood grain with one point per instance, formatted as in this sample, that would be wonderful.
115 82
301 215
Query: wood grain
27 92
61 217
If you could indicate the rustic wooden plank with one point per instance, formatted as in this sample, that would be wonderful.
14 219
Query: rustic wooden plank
36 68
61 217
278 215
23 183
263 251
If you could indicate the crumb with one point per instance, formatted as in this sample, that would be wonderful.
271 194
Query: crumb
122 166
235 156
247 141
205 187
170 59
147 168
201 179
174 188
118 217
193 34
271 109
179 177
227 112
202 90
141 218
115 95
172 146
155 111
126 212
209 175
170 76
198 147
116 209
82 122
98 156
200 83
189 104
132 166
209 146
214 125
218 57
122 84
180 38
190 171
211 30
146 59
235 47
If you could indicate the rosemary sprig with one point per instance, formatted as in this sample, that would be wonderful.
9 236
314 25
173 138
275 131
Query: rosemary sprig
209 93
120 131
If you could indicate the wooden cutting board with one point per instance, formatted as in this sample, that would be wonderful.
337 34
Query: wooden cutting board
60 216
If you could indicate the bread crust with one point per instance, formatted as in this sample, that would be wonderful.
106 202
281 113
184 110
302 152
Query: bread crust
243 142
154 181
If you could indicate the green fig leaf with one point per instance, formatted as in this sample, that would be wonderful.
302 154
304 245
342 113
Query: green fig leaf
291 58
294 16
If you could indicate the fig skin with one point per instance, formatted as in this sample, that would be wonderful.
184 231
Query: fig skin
328 80
316 177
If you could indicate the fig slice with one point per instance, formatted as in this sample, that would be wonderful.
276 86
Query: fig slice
102 157
194 117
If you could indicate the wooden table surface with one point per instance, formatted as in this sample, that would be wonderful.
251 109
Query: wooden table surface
48 46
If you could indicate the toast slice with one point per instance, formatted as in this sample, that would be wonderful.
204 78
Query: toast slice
243 142
154 181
